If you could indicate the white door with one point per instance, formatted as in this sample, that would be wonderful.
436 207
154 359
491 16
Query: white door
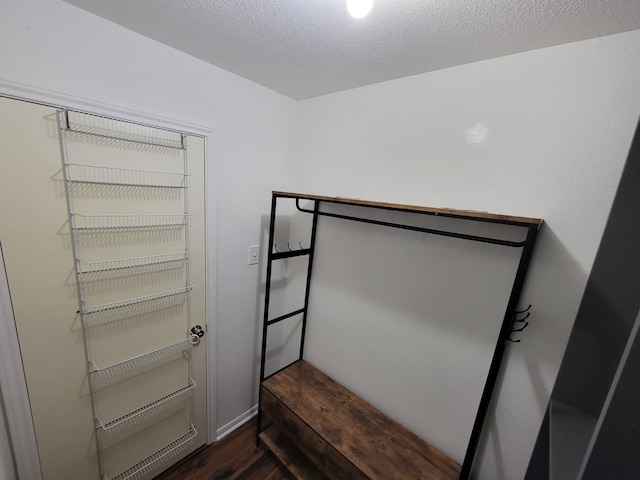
116 385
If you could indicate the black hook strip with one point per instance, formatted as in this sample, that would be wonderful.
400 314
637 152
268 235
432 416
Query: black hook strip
521 320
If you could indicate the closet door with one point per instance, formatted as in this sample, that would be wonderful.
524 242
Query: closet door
104 253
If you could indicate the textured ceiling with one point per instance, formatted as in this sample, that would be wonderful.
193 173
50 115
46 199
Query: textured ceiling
305 48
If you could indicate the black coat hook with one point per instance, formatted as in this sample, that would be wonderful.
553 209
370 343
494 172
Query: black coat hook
521 328
522 321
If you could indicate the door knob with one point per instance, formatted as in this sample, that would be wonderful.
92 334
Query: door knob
195 334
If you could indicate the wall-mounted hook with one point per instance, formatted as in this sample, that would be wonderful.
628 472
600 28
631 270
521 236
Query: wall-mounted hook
289 247
522 321
275 247
300 243
521 328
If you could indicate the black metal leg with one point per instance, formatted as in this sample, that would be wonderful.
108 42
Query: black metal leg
267 294
312 249
498 353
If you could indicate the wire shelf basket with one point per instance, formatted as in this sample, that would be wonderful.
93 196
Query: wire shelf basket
87 268
157 458
129 222
181 349
130 313
124 131
80 173
145 412
131 302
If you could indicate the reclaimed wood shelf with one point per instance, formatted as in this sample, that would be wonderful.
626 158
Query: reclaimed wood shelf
445 212
341 434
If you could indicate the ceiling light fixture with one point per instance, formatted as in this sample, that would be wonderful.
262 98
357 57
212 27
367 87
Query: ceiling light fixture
359 8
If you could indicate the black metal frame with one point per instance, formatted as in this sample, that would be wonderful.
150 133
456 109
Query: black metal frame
506 329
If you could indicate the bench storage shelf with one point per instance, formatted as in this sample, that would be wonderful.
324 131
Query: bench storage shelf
344 436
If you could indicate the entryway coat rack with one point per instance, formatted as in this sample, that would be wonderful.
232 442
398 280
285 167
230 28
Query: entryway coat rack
511 315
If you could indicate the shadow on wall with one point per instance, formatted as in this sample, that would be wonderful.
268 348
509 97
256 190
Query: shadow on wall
273 360
554 287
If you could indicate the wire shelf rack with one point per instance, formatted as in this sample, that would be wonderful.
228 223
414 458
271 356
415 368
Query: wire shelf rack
124 131
147 411
87 268
129 222
80 173
132 302
181 348
98 319
159 457
99 188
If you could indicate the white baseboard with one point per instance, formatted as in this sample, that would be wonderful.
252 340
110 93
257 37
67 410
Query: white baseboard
236 423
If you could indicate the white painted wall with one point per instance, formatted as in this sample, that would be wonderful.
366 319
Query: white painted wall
541 134
559 123
51 45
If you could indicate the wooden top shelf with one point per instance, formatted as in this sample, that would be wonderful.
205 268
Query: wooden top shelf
375 445
448 212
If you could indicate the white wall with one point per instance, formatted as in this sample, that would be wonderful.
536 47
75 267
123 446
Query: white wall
559 124
51 45
541 134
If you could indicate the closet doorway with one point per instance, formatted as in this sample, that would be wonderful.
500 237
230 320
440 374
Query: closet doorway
102 228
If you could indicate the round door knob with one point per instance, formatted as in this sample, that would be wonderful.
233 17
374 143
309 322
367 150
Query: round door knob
197 330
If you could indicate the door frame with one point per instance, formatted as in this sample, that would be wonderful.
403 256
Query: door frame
15 397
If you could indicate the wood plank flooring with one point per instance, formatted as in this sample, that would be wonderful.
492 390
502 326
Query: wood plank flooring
233 458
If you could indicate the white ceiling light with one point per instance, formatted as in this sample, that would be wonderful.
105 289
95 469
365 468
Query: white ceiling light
359 8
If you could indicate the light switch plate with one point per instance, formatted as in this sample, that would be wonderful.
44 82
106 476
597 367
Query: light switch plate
254 254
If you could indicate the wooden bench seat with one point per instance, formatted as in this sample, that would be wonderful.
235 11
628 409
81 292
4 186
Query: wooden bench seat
340 434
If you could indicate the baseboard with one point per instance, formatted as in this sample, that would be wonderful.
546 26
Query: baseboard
236 423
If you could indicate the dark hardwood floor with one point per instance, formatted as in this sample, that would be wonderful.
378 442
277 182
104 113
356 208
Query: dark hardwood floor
235 457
